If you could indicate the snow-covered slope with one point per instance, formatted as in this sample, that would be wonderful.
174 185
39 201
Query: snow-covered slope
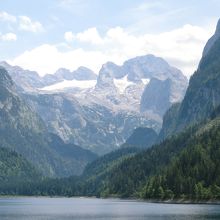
67 84
122 84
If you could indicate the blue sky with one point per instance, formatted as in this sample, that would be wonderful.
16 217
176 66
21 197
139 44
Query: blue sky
45 35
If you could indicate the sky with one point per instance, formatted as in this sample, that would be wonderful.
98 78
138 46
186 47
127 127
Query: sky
47 35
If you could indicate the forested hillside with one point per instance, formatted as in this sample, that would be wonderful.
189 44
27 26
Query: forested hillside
15 171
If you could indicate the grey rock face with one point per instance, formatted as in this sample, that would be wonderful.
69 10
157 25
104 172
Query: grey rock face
138 70
156 96
83 73
63 73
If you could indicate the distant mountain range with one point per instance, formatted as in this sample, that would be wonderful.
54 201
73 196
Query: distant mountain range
99 112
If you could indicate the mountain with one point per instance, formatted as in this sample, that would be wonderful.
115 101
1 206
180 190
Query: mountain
136 79
100 112
203 93
93 127
31 81
23 131
62 74
25 79
141 138
136 94
82 73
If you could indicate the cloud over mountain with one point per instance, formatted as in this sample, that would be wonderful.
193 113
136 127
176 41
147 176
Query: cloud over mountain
182 47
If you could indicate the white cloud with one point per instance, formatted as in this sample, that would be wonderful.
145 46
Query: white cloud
69 36
26 24
4 16
47 59
9 37
22 22
88 36
180 47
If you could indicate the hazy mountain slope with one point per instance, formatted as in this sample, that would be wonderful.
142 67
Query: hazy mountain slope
156 96
141 138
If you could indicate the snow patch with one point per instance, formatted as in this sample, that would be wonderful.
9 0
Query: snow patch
122 83
145 81
81 84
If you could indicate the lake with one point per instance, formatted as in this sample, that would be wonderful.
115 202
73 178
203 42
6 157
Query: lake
100 209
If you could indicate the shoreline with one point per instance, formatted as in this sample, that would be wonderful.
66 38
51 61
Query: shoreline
175 201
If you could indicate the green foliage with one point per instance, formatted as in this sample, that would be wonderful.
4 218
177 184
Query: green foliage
194 173
16 172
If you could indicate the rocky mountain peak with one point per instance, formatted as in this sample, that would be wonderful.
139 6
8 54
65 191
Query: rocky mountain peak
217 30
83 73
212 40
105 78
63 73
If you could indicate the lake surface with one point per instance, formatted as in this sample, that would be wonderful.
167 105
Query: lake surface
100 209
